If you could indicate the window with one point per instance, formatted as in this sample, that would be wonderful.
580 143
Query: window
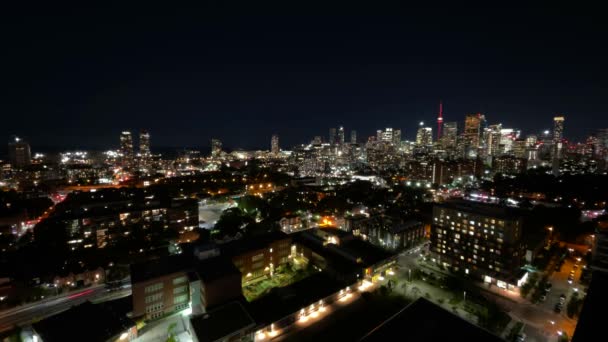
180 289
257 257
154 298
153 288
180 299
180 280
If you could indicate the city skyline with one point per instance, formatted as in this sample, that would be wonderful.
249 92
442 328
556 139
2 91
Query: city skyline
213 72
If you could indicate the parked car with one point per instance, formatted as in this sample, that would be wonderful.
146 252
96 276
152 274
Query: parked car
521 337
558 308
543 298
562 299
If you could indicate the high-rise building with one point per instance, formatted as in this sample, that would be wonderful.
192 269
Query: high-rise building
519 148
379 135
19 153
274 144
126 148
558 128
472 129
353 137
216 148
397 137
341 135
332 136
144 144
424 136
387 135
531 140
490 140
450 134
479 240
317 140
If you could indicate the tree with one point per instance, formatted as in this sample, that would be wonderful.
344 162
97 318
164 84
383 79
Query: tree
232 221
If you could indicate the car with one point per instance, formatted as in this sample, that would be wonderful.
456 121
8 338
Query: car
575 267
521 337
543 298
558 308
562 299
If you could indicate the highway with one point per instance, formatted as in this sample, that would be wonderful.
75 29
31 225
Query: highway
32 312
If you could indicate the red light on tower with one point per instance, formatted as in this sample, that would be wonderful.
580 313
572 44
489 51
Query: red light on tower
440 120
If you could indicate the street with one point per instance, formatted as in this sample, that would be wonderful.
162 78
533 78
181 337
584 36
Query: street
32 312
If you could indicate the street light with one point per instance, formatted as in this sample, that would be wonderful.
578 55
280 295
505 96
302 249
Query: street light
464 296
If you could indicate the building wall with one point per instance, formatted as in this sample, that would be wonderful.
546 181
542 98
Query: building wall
160 296
261 261
476 243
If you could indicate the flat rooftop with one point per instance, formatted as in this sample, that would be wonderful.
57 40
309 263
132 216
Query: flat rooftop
487 209
88 322
424 321
221 323
251 243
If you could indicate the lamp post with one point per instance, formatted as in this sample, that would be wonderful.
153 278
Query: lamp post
464 295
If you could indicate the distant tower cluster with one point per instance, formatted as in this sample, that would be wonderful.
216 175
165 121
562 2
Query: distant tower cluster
126 148
19 153
216 148
274 144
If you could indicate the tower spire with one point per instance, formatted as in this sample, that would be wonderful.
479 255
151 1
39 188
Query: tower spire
440 120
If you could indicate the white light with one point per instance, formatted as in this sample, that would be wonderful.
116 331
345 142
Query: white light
124 335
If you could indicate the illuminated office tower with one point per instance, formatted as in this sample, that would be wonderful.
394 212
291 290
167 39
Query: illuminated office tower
332 136
19 153
449 135
126 148
387 135
472 129
341 135
353 137
216 148
531 140
144 144
424 136
274 144
558 135
379 135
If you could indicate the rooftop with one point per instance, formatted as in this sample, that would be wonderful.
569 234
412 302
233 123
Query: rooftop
151 269
488 209
426 321
217 267
88 321
223 322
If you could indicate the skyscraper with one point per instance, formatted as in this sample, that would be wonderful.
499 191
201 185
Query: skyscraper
558 128
144 144
332 136
126 148
397 137
216 148
450 134
19 153
379 135
472 129
341 135
353 137
424 136
274 144
387 135
558 135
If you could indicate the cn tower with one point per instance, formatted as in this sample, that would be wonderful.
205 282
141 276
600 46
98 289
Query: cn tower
440 121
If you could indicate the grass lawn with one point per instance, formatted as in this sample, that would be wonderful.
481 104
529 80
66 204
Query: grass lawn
284 276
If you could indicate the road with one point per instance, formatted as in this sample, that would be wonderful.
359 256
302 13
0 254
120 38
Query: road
31 312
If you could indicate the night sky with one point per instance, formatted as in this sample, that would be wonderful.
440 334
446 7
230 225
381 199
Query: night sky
76 77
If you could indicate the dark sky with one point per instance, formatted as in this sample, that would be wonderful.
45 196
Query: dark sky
76 77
